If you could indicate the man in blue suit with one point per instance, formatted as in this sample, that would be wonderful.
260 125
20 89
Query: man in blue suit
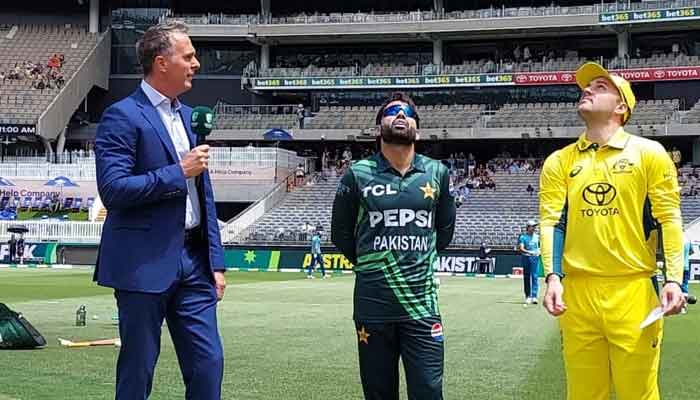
160 248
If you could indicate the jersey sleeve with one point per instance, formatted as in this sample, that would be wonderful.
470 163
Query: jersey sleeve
446 213
553 191
664 195
344 216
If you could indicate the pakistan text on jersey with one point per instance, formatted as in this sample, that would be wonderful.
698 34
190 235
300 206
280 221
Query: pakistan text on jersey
401 242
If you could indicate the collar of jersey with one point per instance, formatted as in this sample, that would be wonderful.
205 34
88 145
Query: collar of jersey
618 140
383 164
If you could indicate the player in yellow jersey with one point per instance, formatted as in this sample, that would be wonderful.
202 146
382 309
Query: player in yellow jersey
605 202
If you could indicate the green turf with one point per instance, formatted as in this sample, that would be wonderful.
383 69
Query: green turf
72 216
289 338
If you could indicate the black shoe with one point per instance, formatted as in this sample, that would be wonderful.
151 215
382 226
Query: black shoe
692 299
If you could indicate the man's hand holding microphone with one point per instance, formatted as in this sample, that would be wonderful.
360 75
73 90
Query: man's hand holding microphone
196 161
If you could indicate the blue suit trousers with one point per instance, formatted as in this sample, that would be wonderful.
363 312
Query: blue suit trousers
189 307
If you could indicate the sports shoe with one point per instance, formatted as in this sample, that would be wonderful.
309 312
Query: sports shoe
534 300
528 301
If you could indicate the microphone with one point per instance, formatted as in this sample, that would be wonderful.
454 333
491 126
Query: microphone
594 146
202 122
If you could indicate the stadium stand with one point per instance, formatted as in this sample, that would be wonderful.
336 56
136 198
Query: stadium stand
256 117
363 66
693 115
418 15
21 102
436 116
495 217
561 114
647 112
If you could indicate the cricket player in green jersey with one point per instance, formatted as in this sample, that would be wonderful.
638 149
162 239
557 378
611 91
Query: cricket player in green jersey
392 214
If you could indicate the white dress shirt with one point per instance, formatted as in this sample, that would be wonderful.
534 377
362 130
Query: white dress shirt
170 115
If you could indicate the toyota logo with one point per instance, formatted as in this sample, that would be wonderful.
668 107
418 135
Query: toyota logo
599 194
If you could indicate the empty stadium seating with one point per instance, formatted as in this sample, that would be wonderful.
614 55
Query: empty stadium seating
647 112
432 116
20 103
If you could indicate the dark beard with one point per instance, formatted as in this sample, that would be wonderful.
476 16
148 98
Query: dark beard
392 136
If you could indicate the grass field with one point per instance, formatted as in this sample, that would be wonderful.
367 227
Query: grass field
292 338
72 216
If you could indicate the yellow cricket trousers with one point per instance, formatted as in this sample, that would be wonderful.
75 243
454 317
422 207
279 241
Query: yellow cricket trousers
603 345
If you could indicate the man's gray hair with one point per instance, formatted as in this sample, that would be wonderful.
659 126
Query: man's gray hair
157 41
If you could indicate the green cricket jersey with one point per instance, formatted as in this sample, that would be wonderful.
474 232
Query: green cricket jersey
391 228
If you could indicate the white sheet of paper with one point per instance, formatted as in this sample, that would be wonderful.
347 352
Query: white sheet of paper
655 315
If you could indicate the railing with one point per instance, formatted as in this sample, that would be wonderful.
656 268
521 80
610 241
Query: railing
241 225
416 16
66 232
476 67
248 109
84 167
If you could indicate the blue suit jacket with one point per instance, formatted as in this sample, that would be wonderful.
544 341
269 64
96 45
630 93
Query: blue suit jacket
142 185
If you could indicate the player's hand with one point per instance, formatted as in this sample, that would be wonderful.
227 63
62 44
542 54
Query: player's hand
195 161
219 284
672 299
554 296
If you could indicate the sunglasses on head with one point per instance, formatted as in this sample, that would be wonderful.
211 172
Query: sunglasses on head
408 111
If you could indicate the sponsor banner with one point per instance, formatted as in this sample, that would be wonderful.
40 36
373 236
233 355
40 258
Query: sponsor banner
632 75
670 14
44 253
545 78
218 173
253 258
62 186
383 82
17 129
520 78
297 259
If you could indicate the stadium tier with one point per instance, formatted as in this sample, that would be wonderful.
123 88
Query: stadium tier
492 216
360 65
31 77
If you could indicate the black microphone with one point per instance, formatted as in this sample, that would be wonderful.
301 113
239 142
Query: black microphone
202 122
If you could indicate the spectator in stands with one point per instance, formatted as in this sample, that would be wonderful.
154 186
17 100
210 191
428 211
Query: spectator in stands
299 174
347 155
316 256
60 80
471 164
12 243
54 62
488 182
530 190
2 76
676 156
300 115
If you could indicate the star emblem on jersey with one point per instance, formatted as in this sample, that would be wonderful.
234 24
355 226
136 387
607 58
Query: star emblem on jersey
249 256
363 335
428 191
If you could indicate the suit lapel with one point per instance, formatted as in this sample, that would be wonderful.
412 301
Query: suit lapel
151 114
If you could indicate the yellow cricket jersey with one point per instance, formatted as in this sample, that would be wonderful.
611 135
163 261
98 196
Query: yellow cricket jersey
602 209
